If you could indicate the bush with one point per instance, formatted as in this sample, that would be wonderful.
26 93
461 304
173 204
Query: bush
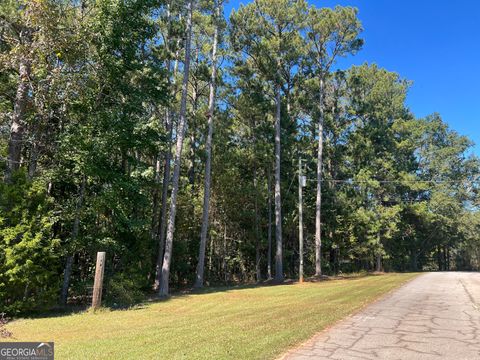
29 264
122 292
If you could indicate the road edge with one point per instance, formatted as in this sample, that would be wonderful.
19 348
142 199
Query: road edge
363 307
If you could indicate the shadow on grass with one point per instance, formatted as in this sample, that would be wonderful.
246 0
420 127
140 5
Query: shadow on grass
191 291
266 283
56 312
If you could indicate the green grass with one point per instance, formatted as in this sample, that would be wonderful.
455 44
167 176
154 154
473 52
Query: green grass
242 323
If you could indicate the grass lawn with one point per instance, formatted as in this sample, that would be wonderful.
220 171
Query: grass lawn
239 323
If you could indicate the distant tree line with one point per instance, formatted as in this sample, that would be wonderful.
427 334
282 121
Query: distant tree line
169 136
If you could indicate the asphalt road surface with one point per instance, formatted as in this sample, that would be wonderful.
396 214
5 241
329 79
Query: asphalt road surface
435 316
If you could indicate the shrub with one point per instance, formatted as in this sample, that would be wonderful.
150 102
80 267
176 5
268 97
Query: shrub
122 292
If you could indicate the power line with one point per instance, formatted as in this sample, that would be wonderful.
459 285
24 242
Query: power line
350 181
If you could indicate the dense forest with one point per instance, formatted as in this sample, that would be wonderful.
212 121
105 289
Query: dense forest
171 136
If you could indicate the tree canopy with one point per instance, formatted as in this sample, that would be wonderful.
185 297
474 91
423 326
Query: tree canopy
169 136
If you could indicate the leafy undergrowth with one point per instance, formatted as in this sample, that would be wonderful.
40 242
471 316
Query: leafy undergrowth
241 323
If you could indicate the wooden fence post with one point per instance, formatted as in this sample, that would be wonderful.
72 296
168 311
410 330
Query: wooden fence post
98 283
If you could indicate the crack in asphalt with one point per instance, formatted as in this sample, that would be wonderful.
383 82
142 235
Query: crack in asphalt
435 316
475 305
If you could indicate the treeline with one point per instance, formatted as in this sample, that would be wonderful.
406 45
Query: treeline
170 137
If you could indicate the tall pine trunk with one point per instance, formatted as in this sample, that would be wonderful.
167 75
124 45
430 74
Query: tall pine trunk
269 229
177 162
257 229
17 126
318 223
76 227
163 210
156 194
207 186
162 226
278 200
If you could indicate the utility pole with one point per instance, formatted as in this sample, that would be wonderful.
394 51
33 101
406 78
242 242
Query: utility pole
301 183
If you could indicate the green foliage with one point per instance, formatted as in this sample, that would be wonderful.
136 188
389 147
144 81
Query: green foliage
103 75
122 292
28 250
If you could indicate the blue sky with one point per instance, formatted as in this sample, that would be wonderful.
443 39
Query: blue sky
434 43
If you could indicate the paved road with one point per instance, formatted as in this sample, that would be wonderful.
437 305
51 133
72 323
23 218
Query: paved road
435 316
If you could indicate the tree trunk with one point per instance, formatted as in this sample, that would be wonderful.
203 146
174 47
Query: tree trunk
163 210
258 259
278 201
414 256
445 258
210 256
269 229
448 258
208 164
193 141
166 175
17 126
66 280
379 263
156 191
439 258
379 254
32 166
300 222
224 258
178 158
257 231
318 232
76 226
